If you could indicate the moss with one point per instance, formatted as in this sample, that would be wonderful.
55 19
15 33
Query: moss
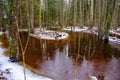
13 51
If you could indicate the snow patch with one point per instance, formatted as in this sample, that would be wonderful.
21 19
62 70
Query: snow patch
1 33
84 29
75 29
23 30
92 78
51 35
114 40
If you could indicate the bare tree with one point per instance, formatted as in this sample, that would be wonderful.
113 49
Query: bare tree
109 13
0 13
32 16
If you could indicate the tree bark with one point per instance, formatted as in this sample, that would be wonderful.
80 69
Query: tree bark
32 16
110 8
118 11
28 15
13 31
40 16
0 13
100 30
91 13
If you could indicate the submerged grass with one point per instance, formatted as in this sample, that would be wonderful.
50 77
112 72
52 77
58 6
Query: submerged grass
36 71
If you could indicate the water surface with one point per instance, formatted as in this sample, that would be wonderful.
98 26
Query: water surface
77 57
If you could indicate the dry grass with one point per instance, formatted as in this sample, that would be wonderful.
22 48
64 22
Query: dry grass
6 52
3 39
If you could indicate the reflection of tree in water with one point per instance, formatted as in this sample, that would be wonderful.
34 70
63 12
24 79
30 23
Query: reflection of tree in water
91 47
60 68
60 64
112 69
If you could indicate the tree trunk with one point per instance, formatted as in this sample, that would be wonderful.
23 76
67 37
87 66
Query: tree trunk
80 3
28 15
91 13
61 13
114 23
40 16
0 13
119 13
32 16
46 14
75 12
100 30
13 41
110 8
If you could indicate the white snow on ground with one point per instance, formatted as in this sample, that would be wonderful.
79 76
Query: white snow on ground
51 35
1 33
16 70
114 40
47 34
92 78
75 29
117 32
23 30
84 29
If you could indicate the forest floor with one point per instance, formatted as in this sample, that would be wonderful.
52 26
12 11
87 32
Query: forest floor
14 71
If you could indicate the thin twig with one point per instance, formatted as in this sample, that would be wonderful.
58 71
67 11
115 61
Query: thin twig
23 51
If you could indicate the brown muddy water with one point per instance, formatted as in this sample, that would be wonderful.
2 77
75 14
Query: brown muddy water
77 57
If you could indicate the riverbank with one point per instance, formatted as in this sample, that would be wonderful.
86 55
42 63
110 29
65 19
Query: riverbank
14 71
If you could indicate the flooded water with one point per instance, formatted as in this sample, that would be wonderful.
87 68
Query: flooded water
75 58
